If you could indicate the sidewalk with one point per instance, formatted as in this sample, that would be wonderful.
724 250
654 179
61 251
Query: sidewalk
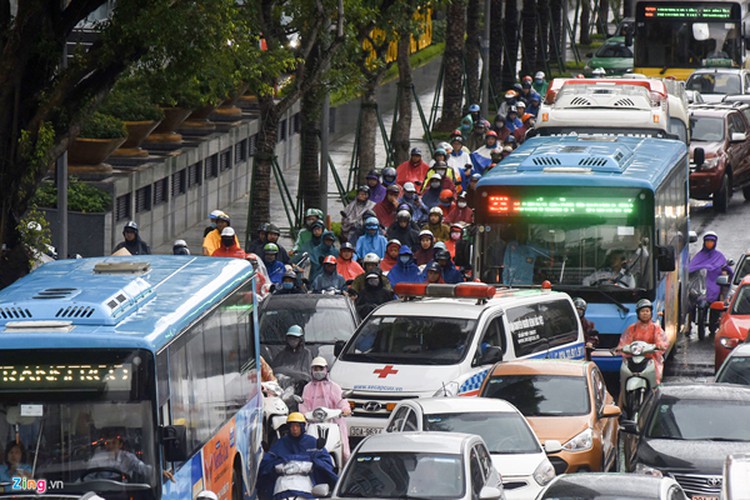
340 151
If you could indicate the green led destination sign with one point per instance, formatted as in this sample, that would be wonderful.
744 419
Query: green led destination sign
85 377
506 205
687 11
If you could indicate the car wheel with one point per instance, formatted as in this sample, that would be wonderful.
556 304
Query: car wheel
721 197
746 193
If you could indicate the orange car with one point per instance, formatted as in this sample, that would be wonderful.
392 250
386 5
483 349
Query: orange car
734 323
566 401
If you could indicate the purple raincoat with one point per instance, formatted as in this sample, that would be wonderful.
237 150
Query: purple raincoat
713 261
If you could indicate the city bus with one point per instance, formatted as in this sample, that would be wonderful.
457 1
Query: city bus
157 356
673 38
604 218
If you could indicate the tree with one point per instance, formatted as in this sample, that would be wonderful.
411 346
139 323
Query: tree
497 50
585 36
402 128
453 66
528 40
511 41
543 20
473 38
44 102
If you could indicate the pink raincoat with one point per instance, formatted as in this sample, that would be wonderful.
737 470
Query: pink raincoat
327 394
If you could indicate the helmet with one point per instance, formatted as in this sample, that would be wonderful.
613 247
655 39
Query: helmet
271 248
433 266
372 223
179 244
442 255
204 495
130 226
416 152
227 231
457 133
372 174
347 246
710 235
296 418
446 146
436 177
393 188
214 214
290 274
426 232
491 133
223 216
539 75
330 259
436 210
263 227
580 303
371 258
311 212
440 151
404 214
521 104
394 241
457 138
527 78
642 304
510 94
319 361
295 331
474 108
363 189
446 194
513 109
389 172
409 187
180 247
440 246
273 229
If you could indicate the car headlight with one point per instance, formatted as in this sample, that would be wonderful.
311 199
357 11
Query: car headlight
447 390
583 441
544 473
729 342
711 163
647 471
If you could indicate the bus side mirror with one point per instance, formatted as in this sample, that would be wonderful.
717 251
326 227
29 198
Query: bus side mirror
692 236
699 157
666 258
338 347
174 440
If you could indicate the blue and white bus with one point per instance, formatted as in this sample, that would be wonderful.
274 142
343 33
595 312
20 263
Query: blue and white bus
156 356
604 218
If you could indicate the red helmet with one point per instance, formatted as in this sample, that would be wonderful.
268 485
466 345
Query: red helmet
446 194
330 259
527 78
491 133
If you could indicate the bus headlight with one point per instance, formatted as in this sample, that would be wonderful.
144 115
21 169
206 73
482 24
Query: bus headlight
583 441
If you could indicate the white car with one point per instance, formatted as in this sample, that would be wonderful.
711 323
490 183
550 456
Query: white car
736 368
419 465
516 452
613 485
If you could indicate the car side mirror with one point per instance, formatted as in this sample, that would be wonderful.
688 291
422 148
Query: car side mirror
628 38
666 258
722 280
718 306
490 493
552 446
699 157
692 236
321 490
610 411
174 440
491 355
738 137
628 426
338 347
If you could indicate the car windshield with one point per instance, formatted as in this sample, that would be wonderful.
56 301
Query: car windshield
325 319
741 304
404 475
541 395
706 128
613 50
411 340
79 422
700 420
743 269
715 83
504 433
735 371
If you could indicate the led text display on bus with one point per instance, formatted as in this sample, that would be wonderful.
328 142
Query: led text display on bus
692 11
509 205
116 377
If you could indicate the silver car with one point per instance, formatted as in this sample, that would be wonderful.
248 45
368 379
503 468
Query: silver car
436 465
593 485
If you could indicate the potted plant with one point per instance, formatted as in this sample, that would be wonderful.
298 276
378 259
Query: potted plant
131 103
100 135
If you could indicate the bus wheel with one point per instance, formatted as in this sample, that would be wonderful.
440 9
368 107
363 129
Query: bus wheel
721 197
237 493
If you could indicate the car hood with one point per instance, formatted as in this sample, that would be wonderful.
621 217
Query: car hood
559 428
736 326
611 62
710 148
392 377
517 465
705 457
712 98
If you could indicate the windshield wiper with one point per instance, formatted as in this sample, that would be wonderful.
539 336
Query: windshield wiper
613 300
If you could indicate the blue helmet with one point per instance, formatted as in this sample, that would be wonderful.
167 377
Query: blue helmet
474 108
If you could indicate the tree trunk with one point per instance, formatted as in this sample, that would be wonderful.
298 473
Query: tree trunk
542 55
453 67
556 48
603 17
369 129
585 37
265 154
311 106
473 36
528 49
497 50
402 129
511 41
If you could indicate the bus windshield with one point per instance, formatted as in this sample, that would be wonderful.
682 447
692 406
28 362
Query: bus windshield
575 242
80 419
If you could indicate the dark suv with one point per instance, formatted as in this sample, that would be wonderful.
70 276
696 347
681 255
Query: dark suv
722 132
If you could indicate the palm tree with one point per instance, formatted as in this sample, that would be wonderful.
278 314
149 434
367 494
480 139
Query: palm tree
453 66
473 37
528 40
511 43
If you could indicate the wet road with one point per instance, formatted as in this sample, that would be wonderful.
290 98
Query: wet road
694 360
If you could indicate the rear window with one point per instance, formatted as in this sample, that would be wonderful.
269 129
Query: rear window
324 320
541 326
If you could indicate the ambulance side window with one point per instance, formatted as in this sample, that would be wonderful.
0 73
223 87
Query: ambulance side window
494 335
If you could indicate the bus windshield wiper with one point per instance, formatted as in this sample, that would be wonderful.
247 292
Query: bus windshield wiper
613 300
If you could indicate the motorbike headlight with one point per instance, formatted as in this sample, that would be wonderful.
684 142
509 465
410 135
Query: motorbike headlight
647 471
581 442
447 390
544 473
636 350
319 415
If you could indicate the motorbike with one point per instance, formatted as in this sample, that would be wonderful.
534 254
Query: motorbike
697 302
321 424
637 375
276 401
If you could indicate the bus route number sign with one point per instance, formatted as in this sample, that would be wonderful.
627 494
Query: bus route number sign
504 205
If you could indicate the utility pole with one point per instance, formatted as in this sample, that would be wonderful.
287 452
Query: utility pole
324 126
61 179
485 48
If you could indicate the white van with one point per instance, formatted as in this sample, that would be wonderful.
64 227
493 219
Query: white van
443 339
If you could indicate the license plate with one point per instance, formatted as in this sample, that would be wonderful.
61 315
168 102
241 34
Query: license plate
364 431
700 497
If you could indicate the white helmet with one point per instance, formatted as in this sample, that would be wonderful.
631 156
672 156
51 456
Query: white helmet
371 258
319 361
207 495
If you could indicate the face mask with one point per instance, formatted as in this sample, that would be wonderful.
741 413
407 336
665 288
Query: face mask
405 259
293 342
373 282
287 285
319 375
435 185
389 180
461 204
455 235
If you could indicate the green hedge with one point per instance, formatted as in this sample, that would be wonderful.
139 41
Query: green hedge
102 126
82 197
130 104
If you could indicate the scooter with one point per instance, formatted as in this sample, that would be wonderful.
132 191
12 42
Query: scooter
322 426
275 410
697 300
637 376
